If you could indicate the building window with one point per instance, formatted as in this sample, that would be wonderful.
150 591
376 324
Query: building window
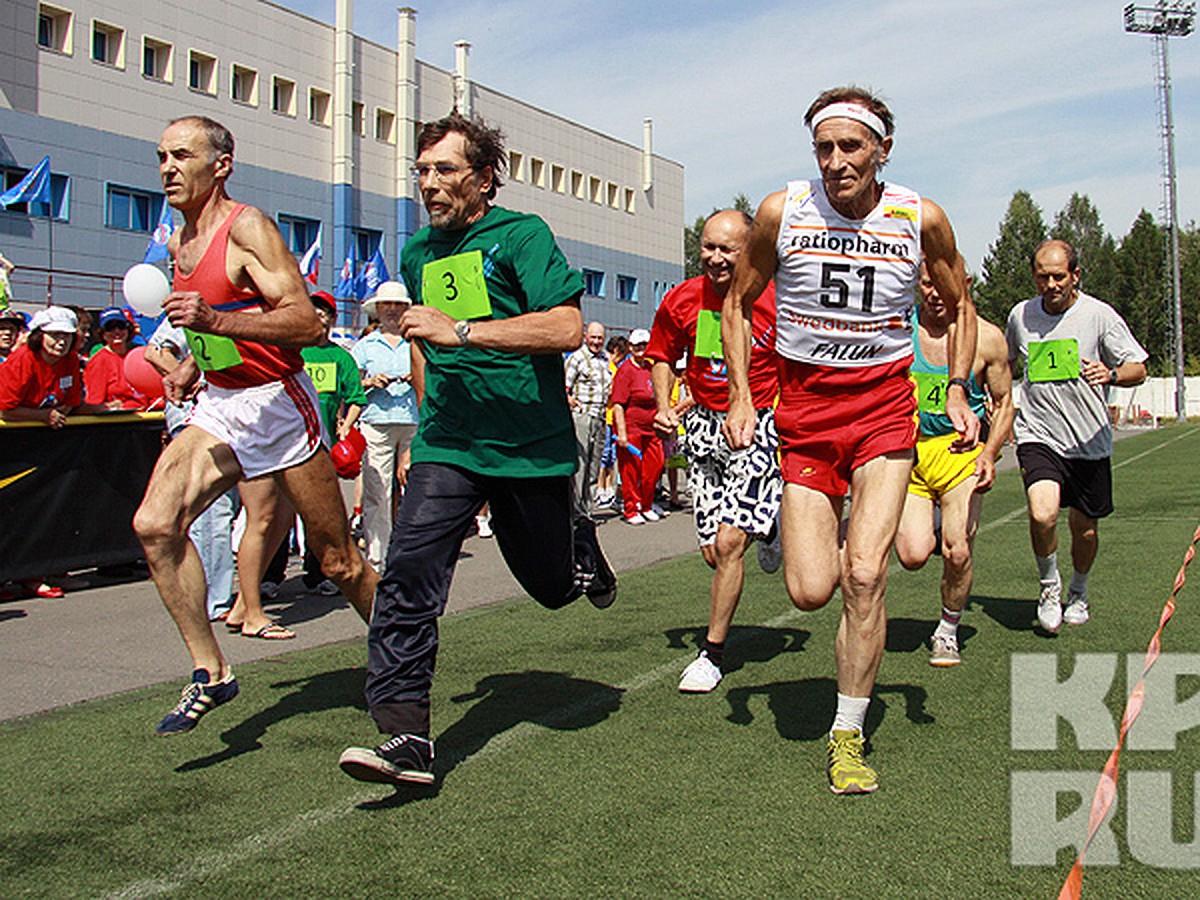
108 44
54 28
318 106
202 72
132 209
558 179
59 195
243 85
627 289
593 283
298 233
366 243
537 172
158 59
516 165
630 200
577 184
595 189
385 126
614 194
283 96
358 118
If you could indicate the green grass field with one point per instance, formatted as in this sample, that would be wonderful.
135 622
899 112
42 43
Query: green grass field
570 766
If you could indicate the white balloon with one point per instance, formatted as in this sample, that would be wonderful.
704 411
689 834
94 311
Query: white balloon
145 288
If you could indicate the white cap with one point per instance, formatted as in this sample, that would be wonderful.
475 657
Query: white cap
387 292
639 336
54 318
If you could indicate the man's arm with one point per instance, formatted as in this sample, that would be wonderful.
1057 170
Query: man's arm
755 268
948 273
997 376
556 330
259 258
666 420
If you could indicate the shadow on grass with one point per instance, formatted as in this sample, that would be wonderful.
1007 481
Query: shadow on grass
1013 614
803 710
506 702
911 635
328 690
745 644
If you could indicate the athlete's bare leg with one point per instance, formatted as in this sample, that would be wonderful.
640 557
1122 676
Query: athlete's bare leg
915 540
312 488
193 470
268 517
961 508
1043 499
727 556
877 488
1085 540
811 524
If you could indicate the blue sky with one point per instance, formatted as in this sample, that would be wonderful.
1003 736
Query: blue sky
989 97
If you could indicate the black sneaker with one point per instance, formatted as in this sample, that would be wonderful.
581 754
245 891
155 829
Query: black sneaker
197 698
405 759
593 575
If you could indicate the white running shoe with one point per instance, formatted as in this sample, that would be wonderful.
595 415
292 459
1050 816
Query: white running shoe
483 525
635 519
1076 611
650 515
944 652
658 511
1050 613
700 677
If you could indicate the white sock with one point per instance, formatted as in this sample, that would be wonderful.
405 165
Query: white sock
851 713
1048 568
1079 583
948 625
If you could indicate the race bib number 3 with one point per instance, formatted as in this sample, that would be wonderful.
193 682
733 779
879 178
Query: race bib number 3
1054 360
323 375
212 351
931 391
708 335
456 286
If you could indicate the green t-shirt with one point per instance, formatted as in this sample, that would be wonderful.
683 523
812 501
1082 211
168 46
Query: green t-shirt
335 376
487 411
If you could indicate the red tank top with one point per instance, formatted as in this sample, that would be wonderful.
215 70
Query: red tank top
261 363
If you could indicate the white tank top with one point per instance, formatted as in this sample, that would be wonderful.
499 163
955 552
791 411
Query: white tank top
845 288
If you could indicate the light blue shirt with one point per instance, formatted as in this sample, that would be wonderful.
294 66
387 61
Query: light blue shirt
395 404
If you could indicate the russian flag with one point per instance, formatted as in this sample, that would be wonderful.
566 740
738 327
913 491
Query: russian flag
310 263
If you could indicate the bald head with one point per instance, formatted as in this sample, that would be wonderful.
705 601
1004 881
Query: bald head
594 337
721 243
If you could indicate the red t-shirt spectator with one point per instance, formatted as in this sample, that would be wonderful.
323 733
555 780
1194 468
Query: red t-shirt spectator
26 381
633 389
104 380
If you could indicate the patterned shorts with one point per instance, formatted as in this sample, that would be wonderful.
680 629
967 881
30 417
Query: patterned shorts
740 488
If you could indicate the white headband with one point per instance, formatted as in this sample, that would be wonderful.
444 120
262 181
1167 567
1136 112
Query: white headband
850 111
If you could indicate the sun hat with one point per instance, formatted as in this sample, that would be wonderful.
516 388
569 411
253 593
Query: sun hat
387 292
53 318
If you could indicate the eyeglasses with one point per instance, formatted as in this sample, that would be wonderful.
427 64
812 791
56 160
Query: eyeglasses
442 171
113 326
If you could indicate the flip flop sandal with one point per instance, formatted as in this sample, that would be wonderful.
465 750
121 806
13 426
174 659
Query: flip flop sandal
272 632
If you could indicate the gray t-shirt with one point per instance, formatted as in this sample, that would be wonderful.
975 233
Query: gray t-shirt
1058 407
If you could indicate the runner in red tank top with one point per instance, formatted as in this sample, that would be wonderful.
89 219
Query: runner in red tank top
242 302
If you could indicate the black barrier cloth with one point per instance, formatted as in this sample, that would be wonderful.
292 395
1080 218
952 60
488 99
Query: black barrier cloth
67 496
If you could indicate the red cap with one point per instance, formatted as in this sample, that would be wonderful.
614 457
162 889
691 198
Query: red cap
347 454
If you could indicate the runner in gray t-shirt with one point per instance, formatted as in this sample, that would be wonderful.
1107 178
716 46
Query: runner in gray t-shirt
1073 345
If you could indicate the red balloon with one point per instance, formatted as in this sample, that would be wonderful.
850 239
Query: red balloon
141 375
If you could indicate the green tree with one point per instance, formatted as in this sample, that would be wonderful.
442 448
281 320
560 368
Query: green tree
1006 277
1189 264
1078 223
1143 297
691 236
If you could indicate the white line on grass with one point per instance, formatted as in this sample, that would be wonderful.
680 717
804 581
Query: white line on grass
218 863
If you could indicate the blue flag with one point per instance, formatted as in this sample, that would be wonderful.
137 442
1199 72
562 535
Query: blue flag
374 273
347 284
157 249
33 188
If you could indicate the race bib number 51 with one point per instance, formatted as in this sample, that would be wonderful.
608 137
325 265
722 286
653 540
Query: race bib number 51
1054 360
456 286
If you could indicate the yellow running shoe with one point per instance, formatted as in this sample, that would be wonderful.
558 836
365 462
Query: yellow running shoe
848 774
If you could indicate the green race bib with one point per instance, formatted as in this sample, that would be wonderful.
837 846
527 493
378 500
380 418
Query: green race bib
323 375
931 391
708 335
456 286
212 351
1053 360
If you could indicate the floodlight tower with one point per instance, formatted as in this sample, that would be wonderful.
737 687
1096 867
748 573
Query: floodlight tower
1164 20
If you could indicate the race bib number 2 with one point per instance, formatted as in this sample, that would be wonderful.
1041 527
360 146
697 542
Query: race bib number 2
212 351
1054 360
456 286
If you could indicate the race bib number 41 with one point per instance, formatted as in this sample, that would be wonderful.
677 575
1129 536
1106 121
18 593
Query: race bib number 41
1054 360
456 286
931 391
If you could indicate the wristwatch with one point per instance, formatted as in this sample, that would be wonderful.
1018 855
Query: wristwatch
462 328
962 383
1112 376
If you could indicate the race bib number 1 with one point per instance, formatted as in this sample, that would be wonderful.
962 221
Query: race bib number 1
456 286
323 375
931 391
1053 360
212 351
708 335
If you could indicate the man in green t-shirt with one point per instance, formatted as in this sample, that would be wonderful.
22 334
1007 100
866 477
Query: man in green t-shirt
495 307
334 373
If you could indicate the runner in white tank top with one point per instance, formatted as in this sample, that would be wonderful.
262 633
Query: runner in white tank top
845 258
